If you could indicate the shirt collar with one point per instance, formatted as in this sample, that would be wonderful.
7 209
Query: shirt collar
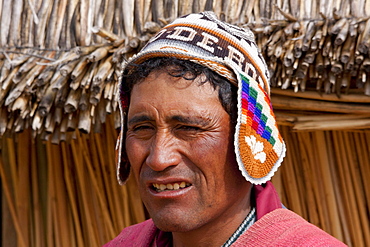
244 226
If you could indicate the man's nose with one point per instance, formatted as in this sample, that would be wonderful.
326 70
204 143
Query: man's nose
163 152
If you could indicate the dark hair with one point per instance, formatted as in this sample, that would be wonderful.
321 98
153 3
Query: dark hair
188 70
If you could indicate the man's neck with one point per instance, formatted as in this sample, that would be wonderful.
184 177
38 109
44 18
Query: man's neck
217 233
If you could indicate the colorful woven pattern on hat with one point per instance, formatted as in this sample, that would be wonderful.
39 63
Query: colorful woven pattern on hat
260 145
204 39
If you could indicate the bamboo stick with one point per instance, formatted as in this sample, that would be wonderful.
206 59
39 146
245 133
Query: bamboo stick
111 180
363 147
37 225
361 209
363 172
12 164
72 122
3 120
286 15
47 101
323 186
62 210
342 34
24 68
364 42
303 190
72 101
15 92
60 19
62 92
22 192
44 11
309 34
126 206
328 188
15 24
6 86
105 181
50 201
45 76
105 34
95 185
316 105
99 78
347 180
342 162
316 179
336 187
84 123
348 48
89 231
305 150
355 98
71 196
67 68
5 22
12 209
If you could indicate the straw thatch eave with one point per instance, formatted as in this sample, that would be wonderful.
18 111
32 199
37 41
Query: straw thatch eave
60 60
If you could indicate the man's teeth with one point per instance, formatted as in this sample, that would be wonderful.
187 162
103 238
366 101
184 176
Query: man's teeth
174 186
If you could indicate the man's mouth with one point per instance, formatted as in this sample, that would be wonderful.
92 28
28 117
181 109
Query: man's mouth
171 186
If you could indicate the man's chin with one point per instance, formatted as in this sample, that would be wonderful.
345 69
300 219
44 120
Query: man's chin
168 226
172 225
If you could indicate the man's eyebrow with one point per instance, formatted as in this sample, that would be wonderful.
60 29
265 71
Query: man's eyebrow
138 119
190 119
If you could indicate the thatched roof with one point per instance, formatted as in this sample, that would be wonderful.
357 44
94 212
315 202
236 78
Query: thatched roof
60 60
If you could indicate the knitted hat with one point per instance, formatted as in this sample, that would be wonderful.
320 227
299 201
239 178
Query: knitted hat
231 52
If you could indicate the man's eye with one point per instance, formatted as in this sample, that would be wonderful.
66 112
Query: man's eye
142 127
189 128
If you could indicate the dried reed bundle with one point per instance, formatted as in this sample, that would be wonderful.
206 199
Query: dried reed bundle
307 46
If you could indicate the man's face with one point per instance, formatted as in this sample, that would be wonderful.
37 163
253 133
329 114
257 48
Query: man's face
179 144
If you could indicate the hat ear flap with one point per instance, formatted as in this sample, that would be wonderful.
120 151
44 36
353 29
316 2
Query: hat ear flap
122 163
259 146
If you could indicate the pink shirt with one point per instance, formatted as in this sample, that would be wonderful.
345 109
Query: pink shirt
275 226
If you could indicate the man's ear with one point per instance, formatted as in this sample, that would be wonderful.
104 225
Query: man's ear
122 164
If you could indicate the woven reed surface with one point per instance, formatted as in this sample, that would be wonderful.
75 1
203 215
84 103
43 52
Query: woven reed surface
67 194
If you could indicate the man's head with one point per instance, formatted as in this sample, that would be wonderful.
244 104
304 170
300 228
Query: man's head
179 142
231 53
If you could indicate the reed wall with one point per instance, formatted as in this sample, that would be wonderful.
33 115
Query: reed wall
67 194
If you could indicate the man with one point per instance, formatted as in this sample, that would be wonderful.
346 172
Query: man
202 141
